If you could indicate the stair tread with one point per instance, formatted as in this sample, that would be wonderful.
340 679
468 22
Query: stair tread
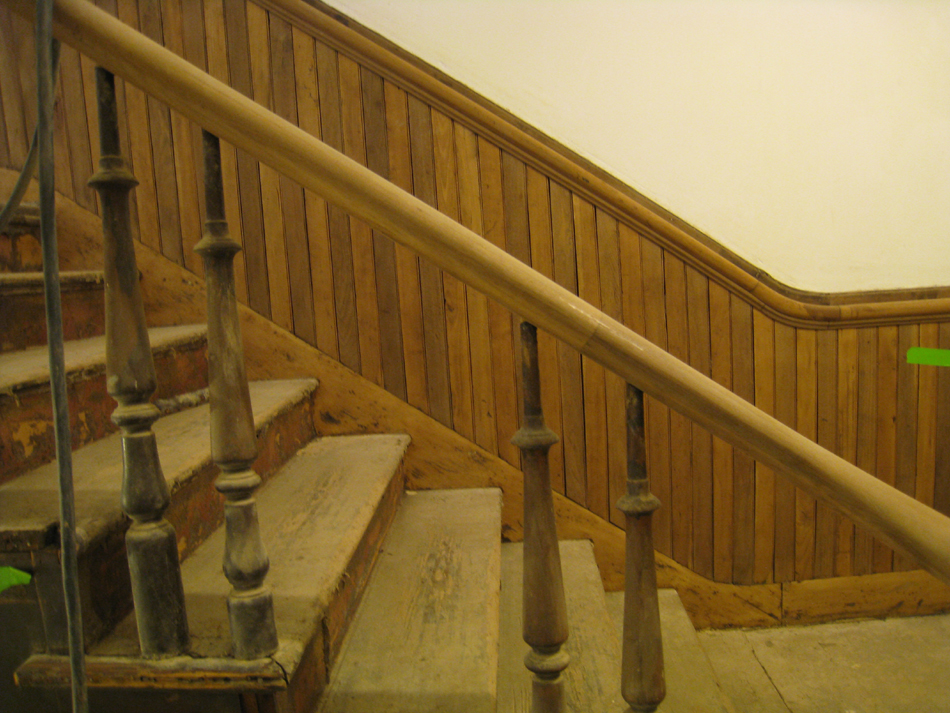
425 637
30 367
29 505
592 680
691 684
68 279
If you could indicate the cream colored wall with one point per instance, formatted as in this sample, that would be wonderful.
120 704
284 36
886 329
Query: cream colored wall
812 137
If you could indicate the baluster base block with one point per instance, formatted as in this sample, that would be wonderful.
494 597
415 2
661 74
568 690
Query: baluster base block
253 631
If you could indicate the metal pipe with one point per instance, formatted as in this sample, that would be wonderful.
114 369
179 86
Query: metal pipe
54 327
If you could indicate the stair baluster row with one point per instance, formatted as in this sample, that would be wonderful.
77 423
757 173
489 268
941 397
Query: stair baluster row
233 440
151 543
642 681
544 611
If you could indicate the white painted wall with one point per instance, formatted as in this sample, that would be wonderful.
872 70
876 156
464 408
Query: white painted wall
812 137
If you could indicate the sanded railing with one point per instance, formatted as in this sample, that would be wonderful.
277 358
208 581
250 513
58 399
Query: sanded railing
893 516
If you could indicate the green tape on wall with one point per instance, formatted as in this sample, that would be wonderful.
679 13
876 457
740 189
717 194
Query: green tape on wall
11 577
931 357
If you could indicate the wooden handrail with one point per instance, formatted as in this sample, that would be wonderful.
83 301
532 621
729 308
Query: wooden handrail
893 516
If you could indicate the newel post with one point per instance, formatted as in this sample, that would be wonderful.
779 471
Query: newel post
130 376
544 610
233 438
642 681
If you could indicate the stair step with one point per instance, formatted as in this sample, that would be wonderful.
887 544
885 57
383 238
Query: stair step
323 517
23 307
426 635
691 684
29 504
592 680
26 419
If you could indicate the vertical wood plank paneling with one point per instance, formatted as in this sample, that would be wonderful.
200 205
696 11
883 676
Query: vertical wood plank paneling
720 328
407 263
187 169
275 249
430 277
847 437
62 168
193 47
807 420
763 340
786 386
480 346
249 178
542 260
515 184
681 483
341 246
364 262
292 203
657 415
825 523
14 138
611 301
163 151
315 207
743 467
215 34
503 352
384 250
927 419
867 434
456 303
697 304
140 147
595 391
905 471
574 445
74 111
942 437
886 426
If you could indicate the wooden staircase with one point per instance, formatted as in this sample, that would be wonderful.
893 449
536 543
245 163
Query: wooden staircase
420 616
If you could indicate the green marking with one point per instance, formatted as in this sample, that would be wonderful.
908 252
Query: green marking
10 577
931 357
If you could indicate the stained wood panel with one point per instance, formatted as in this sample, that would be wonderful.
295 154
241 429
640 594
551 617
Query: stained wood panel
450 352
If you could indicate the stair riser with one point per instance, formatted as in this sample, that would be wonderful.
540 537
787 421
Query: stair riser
20 253
23 315
27 439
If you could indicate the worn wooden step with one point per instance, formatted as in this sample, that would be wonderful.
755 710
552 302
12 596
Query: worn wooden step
323 517
691 684
426 636
26 420
23 307
29 504
592 680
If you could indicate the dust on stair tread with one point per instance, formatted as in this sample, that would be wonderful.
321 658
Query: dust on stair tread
592 680
425 637
30 367
313 514
29 505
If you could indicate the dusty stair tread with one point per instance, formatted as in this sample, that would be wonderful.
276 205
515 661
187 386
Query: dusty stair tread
426 635
29 505
592 679
16 282
691 684
30 367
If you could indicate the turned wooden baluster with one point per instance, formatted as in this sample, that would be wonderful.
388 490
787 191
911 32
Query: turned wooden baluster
130 377
233 439
545 615
642 682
